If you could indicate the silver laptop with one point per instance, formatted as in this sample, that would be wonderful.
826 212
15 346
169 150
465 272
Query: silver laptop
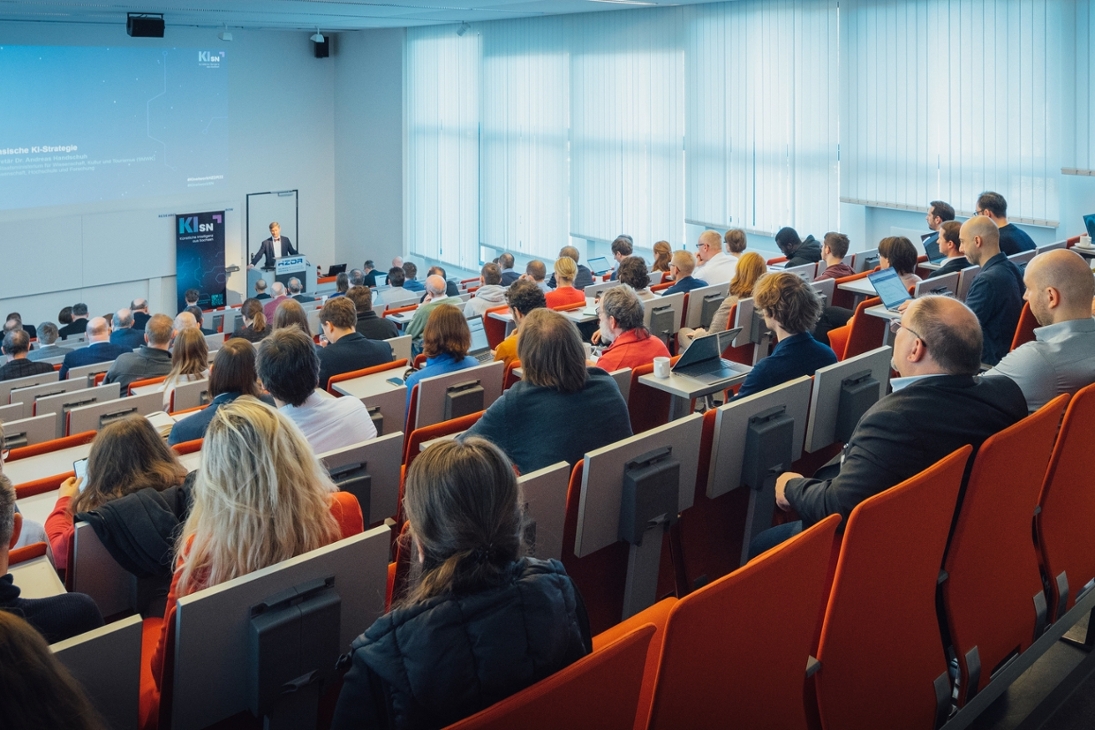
480 347
599 266
703 359
890 288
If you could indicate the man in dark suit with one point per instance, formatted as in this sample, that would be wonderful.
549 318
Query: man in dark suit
16 345
199 319
295 289
951 248
348 349
938 405
368 323
78 324
151 361
99 349
996 295
505 261
584 277
31 330
276 241
141 314
125 334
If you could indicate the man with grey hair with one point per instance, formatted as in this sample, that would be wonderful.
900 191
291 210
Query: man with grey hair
47 343
152 360
996 295
99 349
536 272
620 318
435 296
505 261
141 314
357 278
279 296
125 334
295 289
185 320
16 346
78 324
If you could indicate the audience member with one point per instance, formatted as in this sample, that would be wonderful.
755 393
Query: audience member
833 251
435 296
681 267
899 252
751 267
564 292
620 317
451 289
290 314
357 278
125 334
289 370
190 298
348 349
296 290
938 404
189 362
254 327
938 214
797 251
632 271
715 267
996 295
505 263
16 346
663 252
622 248
1059 290
31 330
271 306
536 272
491 292
260 289
397 295
184 320
151 361
47 343
368 323
36 691
790 308
522 297
141 315
99 348
410 282
64 316
480 622
199 318
1013 239
342 285
556 388
397 263
126 456
233 374
79 322
445 343
949 244
370 273
735 242
583 277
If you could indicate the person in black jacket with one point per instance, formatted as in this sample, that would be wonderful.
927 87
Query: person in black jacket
348 349
797 251
584 277
950 246
369 323
16 346
937 406
478 622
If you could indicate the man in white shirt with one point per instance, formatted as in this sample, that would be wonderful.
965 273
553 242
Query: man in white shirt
289 369
715 267
1059 359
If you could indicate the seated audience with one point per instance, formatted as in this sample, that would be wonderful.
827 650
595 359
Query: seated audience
899 252
199 318
1059 289
56 618
99 348
451 289
190 298
622 248
939 212
368 323
296 290
126 456
17 346
797 251
833 251
290 314
342 284
681 267
151 361
564 292
347 350
620 317
370 273
189 362
790 308
184 320
938 404
735 241
435 296
410 282
79 322
357 278
714 266
536 272
141 315
996 295
632 271
491 292
64 317
505 263
260 289
280 295
233 374
125 334
663 253
583 277
560 409
397 263
751 267
289 370
1013 239
480 621
522 297
47 343
36 691
950 245
31 330
254 327
445 343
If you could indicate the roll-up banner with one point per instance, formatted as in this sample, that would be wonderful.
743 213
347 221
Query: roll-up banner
199 258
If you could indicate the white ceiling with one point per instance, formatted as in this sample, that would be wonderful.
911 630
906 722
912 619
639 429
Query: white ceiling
328 15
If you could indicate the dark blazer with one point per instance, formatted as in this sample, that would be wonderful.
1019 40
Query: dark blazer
686 284
352 352
147 362
23 368
1014 239
194 425
140 319
248 333
375 327
953 264
905 433
128 337
509 276
93 353
370 278
266 248
304 298
76 327
56 618
996 297
791 358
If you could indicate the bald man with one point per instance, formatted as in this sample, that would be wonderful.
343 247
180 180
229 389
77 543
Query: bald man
996 295
937 405
99 349
435 295
1060 359
714 266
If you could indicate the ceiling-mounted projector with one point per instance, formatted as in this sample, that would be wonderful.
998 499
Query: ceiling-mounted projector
144 25
318 37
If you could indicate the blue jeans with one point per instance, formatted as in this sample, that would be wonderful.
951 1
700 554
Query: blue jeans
768 539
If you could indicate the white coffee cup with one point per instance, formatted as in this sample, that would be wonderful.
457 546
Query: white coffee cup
589 350
661 367
1085 241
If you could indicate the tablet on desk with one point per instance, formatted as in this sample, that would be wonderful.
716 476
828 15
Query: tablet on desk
599 266
891 289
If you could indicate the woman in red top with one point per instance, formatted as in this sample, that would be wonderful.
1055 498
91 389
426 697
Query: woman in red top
565 293
621 319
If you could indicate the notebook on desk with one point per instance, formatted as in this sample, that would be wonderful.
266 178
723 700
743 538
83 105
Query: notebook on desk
891 289
480 347
703 359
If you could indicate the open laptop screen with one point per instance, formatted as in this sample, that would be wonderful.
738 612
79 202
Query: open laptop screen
1089 222
478 335
599 265
889 287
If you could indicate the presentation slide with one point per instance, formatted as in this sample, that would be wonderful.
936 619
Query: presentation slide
87 124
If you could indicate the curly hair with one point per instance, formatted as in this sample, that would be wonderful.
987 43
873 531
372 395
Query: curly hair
789 300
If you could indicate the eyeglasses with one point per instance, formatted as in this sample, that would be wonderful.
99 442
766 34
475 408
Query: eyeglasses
895 325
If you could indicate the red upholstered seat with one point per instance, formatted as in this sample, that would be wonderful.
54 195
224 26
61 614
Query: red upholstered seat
495 329
146 381
647 407
1024 330
865 332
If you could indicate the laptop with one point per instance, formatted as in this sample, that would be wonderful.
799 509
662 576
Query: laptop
480 348
939 255
1089 222
703 359
889 287
599 266
336 269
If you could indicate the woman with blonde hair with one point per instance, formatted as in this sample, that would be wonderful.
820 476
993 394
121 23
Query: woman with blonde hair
751 267
288 313
480 622
254 321
189 362
565 293
126 457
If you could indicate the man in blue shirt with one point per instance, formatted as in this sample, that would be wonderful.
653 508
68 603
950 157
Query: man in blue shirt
681 267
996 295
1012 238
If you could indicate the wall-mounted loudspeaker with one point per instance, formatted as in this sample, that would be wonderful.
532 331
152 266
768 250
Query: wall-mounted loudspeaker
144 25
323 50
